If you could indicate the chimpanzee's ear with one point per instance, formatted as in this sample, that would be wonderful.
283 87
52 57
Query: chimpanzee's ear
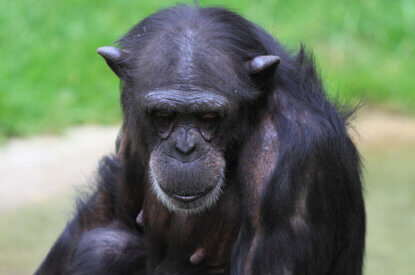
115 59
262 67
262 63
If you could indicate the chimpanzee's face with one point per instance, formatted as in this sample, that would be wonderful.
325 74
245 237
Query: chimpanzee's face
183 90
187 165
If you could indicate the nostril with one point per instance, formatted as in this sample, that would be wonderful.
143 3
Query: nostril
185 148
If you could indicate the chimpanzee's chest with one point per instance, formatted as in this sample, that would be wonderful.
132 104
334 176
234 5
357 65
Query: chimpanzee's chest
204 239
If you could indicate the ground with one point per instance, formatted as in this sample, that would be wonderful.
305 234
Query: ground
37 168
38 176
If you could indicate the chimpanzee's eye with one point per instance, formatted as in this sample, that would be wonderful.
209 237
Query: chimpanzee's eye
163 121
208 124
209 116
163 114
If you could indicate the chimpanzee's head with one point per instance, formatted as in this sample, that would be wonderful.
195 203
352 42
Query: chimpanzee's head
186 75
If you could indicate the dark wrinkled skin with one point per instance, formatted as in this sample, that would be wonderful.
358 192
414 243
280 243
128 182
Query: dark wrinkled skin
230 160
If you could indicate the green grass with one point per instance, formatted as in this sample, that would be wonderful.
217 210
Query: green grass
27 233
51 77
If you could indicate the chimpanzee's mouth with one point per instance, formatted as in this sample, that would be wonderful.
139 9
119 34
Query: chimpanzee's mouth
190 203
186 187
187 197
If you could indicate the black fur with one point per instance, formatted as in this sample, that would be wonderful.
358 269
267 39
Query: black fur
310 217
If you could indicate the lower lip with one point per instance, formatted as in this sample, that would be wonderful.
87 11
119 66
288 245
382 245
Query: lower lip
186 198
190 198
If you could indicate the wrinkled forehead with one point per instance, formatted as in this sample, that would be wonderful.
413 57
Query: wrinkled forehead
186 101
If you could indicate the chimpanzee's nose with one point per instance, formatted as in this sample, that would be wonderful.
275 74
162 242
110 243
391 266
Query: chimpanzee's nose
186 143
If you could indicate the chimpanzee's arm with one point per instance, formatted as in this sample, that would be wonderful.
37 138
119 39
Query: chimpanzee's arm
103 250
96 241
303 202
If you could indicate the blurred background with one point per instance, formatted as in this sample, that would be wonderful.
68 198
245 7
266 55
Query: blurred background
59 108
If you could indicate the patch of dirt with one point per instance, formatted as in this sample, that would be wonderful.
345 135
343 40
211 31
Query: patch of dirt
36 168
374 129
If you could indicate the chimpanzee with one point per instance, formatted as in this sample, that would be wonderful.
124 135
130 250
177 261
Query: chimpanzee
230 160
